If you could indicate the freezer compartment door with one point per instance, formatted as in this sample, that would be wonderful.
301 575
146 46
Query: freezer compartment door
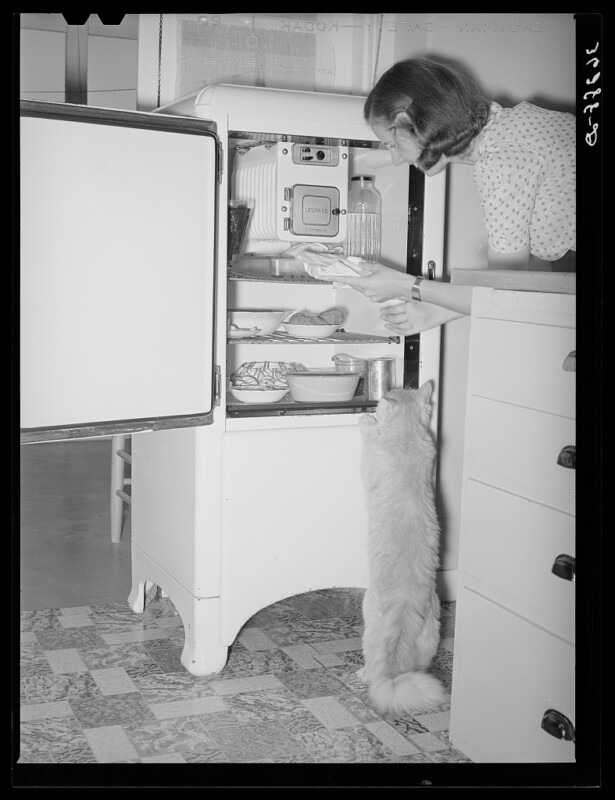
117 280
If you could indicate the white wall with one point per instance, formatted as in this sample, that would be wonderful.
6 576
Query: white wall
513 57
195 52
41 65
112 72
111 65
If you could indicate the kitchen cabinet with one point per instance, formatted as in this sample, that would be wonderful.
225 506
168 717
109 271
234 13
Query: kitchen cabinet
513 697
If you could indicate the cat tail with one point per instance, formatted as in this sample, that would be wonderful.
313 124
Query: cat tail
411 691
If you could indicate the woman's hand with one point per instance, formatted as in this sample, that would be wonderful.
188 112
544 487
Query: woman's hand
380 283
413 317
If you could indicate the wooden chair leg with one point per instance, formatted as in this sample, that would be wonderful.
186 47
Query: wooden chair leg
117 483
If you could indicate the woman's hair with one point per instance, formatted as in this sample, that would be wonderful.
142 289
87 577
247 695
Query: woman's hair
441 106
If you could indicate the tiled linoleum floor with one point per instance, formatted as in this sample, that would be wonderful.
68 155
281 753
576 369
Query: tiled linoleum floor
100 684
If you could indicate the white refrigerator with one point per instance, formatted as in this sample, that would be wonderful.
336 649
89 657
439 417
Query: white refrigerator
125 285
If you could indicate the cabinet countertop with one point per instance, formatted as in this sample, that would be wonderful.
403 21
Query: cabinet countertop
517 280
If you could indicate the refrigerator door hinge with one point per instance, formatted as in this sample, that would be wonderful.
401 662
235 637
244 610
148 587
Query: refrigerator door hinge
217 385
220 162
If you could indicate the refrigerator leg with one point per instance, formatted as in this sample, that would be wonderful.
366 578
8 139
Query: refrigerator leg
203 653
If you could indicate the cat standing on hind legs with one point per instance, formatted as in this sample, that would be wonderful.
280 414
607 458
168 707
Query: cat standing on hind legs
401 609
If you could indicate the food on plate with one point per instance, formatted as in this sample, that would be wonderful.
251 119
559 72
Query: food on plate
263 374
305 319
332 316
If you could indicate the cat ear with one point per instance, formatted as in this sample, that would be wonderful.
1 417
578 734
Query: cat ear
425 391
367 425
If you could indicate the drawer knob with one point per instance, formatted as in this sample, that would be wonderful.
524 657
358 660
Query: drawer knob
570 362
558 725
564 567
568 456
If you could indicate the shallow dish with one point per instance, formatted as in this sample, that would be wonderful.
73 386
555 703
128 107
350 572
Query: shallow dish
309 331
258 395
260 375
259 322
268 265
325 386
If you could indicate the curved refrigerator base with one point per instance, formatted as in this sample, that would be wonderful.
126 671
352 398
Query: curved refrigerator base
257 516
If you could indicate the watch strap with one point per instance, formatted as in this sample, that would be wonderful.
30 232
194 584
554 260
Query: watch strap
415 292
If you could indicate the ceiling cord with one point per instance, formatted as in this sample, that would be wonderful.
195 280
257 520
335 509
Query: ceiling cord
160 22
378 49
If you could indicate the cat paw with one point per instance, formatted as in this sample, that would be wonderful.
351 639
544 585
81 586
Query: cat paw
362 674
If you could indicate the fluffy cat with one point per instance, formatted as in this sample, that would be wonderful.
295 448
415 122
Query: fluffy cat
401 609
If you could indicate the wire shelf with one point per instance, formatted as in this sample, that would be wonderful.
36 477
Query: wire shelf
290 278
289 407
340 337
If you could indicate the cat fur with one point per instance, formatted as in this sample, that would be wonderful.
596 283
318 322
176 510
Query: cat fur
401 609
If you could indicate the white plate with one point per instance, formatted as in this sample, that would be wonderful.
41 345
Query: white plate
242 333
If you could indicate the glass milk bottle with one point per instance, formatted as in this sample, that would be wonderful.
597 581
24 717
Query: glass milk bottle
364 219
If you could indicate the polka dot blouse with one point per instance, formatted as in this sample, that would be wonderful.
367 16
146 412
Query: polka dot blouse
526 176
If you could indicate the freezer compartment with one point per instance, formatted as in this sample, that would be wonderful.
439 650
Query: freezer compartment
297 193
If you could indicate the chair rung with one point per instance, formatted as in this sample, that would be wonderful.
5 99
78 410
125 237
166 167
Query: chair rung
124 455
125 496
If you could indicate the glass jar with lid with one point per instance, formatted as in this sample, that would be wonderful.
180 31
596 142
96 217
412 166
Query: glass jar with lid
364 219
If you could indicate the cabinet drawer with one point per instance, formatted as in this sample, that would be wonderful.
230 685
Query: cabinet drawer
506 674
517 449
523 364
511 544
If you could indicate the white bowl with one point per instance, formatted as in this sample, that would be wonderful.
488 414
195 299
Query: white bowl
259 322
258 395
326 386
309 331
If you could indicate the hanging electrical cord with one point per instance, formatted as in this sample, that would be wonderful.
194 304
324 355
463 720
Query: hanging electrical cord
253 41
160 23
378 49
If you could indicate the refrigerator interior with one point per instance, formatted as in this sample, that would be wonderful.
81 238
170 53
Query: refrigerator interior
362 333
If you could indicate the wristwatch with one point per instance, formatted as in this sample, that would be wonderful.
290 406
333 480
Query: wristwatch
415 292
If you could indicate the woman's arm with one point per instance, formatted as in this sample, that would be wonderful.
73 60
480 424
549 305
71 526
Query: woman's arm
383 283
413 317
